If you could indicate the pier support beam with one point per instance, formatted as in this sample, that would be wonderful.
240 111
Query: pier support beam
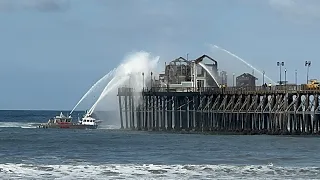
241 112
126 107
120 111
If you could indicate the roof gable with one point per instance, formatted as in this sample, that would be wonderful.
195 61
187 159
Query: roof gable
247 75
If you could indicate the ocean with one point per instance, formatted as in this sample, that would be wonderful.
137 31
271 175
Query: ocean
106 153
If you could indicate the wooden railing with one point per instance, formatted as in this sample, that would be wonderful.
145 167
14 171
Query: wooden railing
230 90
240 90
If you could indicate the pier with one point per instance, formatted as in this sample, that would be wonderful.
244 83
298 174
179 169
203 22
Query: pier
285 109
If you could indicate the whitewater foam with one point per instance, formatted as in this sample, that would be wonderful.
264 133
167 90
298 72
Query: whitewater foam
150 171
108 127
18 125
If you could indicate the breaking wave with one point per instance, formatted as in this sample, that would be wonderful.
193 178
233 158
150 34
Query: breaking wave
18 125
150 171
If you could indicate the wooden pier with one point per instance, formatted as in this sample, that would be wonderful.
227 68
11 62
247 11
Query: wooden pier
287 110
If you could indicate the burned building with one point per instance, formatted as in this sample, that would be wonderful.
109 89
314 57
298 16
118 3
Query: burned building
177 71
203 76
181 73
246 79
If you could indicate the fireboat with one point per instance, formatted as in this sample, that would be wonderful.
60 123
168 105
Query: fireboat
62 121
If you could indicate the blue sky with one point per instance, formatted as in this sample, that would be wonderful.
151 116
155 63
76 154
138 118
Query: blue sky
52 51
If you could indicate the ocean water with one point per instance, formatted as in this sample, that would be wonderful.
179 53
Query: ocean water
30 153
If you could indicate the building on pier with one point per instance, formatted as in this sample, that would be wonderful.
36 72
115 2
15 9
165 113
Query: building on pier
177 71
181 73
177 103
246 80
204 76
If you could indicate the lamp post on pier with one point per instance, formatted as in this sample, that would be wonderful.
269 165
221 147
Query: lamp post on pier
151 80
280 64
307 64
233 74
226 80
143 80
295 77
222 77
129 80
263 77
285 76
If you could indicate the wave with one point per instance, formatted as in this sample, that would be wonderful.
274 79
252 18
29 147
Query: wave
35 124
103 126
150 171
18 125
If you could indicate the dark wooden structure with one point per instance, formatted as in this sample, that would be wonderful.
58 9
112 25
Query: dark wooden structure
245 110
246 80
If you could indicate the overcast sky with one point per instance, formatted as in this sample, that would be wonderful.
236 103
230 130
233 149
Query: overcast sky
52 51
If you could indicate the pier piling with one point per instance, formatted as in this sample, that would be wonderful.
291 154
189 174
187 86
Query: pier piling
229 111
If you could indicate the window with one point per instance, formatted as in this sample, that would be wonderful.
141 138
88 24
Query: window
199 70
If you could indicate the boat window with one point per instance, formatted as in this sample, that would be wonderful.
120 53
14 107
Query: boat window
90 120
84 120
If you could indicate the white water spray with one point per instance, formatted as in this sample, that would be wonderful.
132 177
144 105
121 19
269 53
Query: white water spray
129 74
114 83
215 46
105 77
210 72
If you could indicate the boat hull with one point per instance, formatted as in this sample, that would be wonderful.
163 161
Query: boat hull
68 126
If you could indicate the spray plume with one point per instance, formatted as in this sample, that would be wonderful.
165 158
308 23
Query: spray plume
129 74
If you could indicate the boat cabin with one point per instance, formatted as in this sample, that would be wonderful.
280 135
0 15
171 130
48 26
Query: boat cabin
61 119
87 120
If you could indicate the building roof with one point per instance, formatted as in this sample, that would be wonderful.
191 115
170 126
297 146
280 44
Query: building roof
199 59
247 75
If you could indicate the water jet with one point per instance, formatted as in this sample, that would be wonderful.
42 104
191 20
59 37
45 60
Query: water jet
245 62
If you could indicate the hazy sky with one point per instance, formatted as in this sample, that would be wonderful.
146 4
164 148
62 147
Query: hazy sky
52 51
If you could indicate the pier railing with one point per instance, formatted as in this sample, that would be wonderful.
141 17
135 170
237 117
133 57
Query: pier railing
238 90
279 89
